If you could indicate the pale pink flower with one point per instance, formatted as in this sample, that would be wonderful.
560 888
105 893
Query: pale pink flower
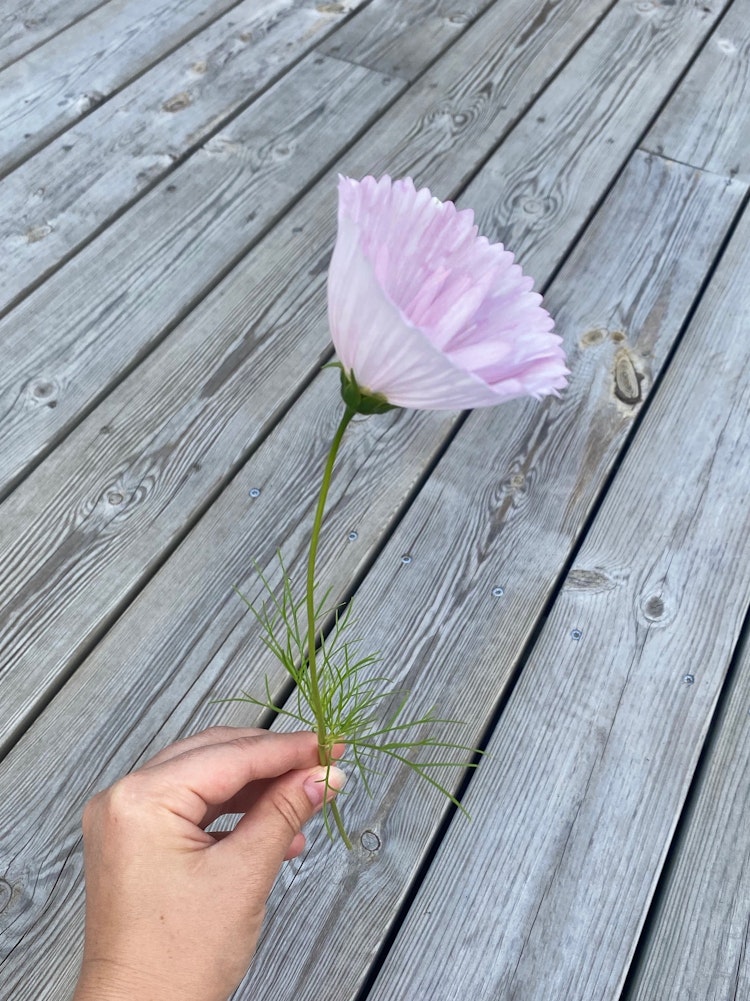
426 313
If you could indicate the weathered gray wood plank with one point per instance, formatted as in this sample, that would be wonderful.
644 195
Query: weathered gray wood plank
707 122
592 760
121 679
185 633
163 411
698 945
95 317
30 22
59 82
401 38
86 331
595 114
47 213
502 509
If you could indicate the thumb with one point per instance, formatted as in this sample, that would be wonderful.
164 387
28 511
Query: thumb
279 812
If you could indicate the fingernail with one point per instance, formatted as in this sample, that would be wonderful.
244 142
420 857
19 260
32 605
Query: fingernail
315 784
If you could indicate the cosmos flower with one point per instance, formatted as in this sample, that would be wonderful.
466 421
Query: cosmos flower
427 314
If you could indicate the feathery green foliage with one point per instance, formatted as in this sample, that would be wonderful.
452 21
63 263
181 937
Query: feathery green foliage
335 694
357 705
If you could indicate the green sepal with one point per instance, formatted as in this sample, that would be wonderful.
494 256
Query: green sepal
360 400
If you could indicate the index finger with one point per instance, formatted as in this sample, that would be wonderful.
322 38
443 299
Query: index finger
212 735
211 775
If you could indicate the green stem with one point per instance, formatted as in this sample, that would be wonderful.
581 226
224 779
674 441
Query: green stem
324 749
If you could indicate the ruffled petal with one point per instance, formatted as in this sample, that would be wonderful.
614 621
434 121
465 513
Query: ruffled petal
389 355
428 314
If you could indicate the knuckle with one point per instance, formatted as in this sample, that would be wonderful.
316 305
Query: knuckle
123 800
218 733
289 810
89 818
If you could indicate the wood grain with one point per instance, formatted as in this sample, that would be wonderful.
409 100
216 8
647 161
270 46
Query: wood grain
66 343
161 446
697 945
185 637
109 306
31 22
504 508
189 639
707 122
76 70
48 213
591 762
94 539
594 115
400 39
503 523
469 100
153 452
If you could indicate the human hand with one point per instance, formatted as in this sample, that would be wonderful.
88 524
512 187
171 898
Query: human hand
171 910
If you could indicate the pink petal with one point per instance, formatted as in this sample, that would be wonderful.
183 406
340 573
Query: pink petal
428 314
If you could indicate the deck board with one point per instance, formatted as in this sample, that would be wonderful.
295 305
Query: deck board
47 214
707 121
156 484
697 945
32 22
125 705
555 166
203 646
570 561
143 465
513 523
84 343
592 761
154 263
75 70
401 38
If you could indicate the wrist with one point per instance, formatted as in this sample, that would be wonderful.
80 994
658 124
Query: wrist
105 981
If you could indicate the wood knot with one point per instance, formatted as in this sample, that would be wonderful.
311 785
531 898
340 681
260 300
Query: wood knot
6 894
178 102
44 392
627 379
589 580
653 608
592 337
37 233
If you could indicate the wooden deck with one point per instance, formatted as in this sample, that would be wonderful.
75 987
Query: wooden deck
580 569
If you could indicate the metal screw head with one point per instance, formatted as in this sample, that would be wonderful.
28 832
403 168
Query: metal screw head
370 841
254 492
406 558
498 592
689 679
576 634
353 536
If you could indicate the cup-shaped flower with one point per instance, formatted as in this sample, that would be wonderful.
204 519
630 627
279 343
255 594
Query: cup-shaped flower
427 314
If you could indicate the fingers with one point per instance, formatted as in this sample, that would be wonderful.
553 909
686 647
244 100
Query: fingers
212 735
281 809
212 775
299 841
297 847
